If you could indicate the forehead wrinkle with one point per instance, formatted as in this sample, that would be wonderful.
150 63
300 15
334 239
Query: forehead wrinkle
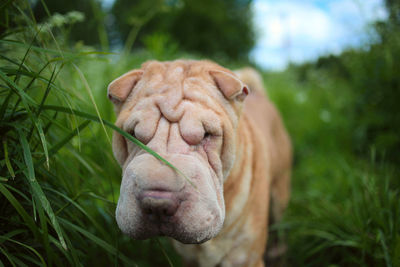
173 112
211 101
185 77
219 111
168 94
207 104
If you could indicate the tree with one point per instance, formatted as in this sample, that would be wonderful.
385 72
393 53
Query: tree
211 28
91 30
393 7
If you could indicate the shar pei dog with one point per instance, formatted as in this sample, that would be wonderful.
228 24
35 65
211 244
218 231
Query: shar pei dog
220 130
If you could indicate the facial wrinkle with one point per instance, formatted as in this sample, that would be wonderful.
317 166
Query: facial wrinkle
210 101
168 136
170 109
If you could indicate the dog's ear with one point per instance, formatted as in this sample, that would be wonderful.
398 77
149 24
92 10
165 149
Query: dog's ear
231 87
119 89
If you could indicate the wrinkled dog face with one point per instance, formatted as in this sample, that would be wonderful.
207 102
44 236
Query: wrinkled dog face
187 112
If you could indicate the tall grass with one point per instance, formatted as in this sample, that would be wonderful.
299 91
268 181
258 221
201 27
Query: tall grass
344 209
59 182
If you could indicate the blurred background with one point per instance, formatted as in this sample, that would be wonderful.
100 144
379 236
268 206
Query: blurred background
331 67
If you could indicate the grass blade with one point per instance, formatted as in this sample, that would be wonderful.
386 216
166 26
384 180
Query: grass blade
101 243
86 84
27 247
18 262
43 141
3 107
66 139
12 233
46 93
164 252
24 97
45 8
26 55
37 190
79 207
21 211
4 238
7 160
2 251
385 249
46 128
45 233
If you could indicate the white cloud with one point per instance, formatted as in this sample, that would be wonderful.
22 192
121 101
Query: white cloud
291 30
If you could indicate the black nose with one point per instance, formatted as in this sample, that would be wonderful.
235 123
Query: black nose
158 206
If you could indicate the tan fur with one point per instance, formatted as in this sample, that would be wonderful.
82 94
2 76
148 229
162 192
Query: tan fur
255 156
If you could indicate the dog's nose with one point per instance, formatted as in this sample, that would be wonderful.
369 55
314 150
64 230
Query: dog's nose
158 205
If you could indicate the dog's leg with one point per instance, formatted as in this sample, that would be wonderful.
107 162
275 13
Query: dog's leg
280 193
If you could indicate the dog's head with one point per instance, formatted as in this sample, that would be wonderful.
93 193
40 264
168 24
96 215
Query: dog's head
187 112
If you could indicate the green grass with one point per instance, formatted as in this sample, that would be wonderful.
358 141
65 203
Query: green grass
344 209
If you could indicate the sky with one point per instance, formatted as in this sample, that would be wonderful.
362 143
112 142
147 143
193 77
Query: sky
301 30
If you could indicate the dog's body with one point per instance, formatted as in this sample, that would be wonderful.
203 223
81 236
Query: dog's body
235 159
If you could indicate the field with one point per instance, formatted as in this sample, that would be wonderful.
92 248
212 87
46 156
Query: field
59 182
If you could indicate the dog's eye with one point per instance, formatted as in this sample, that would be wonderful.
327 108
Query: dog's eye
206 135
132 133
